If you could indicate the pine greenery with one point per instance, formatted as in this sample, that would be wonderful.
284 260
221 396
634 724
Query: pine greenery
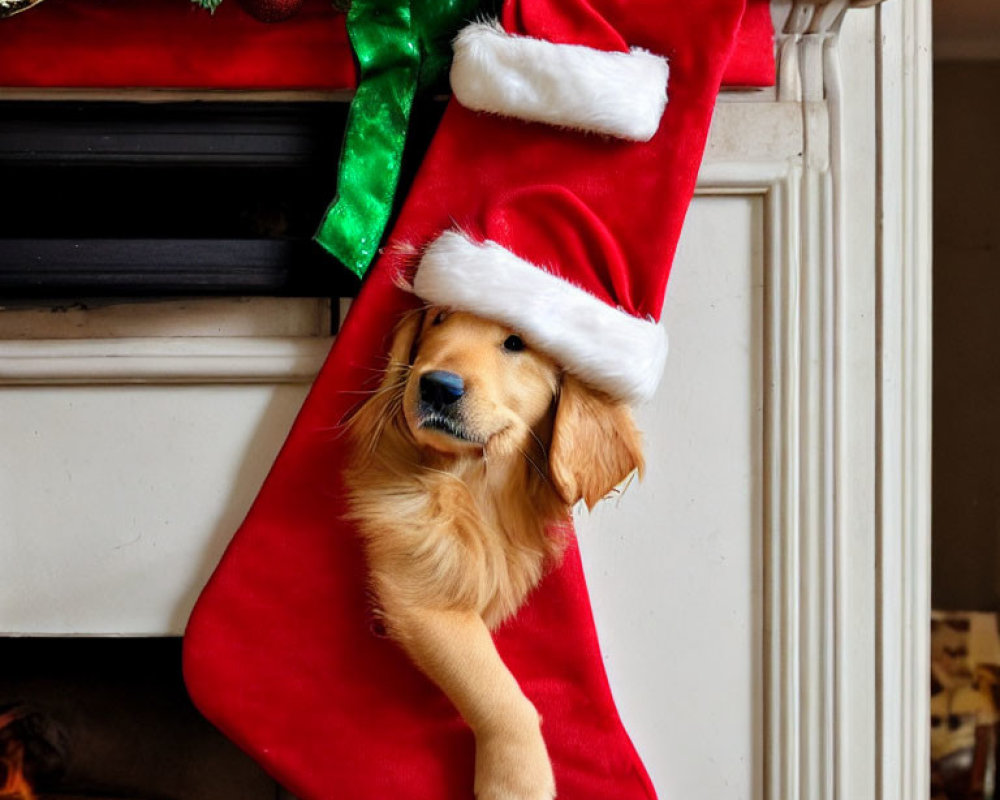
211 5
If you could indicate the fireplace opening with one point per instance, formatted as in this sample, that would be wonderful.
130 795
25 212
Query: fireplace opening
109 719
32 751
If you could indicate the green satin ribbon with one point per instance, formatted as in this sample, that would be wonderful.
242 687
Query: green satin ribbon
400 45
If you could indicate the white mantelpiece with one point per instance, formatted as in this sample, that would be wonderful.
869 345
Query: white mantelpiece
134 439
762 597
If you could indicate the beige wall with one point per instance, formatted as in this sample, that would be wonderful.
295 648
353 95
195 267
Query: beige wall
966 29
966 494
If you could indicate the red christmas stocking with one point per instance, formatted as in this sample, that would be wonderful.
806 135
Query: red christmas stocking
551 199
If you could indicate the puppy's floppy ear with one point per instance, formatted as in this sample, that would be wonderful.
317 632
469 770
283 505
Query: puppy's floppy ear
404 341
595 444
371 417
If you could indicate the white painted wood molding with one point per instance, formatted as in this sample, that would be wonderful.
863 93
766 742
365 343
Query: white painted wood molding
904 401
847 498
191 359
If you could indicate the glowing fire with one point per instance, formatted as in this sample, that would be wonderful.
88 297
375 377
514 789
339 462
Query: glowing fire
15 785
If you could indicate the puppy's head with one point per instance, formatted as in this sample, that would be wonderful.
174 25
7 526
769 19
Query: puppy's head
461 385
474 385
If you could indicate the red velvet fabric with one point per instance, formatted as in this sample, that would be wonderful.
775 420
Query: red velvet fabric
280 652
752 61
172 43
551 225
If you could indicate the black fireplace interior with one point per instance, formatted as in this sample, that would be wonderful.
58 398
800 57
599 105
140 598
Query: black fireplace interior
109 718
179 198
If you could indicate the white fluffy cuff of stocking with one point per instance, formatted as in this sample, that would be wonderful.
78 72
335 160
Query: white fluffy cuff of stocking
572 86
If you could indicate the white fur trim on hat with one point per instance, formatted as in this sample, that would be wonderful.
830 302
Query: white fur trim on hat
604 346
619 94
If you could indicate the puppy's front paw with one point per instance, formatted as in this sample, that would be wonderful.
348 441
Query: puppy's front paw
513 764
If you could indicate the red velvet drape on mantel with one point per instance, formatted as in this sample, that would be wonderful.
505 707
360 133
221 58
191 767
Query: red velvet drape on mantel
174 44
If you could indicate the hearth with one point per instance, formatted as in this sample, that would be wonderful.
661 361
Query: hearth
109 719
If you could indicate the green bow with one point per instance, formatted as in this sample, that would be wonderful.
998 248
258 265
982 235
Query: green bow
400 45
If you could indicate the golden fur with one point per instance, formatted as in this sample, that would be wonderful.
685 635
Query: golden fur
456 513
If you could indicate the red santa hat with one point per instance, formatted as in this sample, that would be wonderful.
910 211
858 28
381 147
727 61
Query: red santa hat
544 264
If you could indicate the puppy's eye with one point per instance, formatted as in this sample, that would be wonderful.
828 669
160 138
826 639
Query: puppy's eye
439 318
513 343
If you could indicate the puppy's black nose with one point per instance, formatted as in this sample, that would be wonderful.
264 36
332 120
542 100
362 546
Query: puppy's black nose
441 389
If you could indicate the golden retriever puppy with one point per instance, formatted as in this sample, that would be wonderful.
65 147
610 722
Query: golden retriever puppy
471 447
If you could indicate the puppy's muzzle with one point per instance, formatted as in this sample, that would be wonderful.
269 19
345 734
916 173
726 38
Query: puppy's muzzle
439 408
440 390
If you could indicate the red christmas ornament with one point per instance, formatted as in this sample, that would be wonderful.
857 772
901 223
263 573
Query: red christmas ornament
271 10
